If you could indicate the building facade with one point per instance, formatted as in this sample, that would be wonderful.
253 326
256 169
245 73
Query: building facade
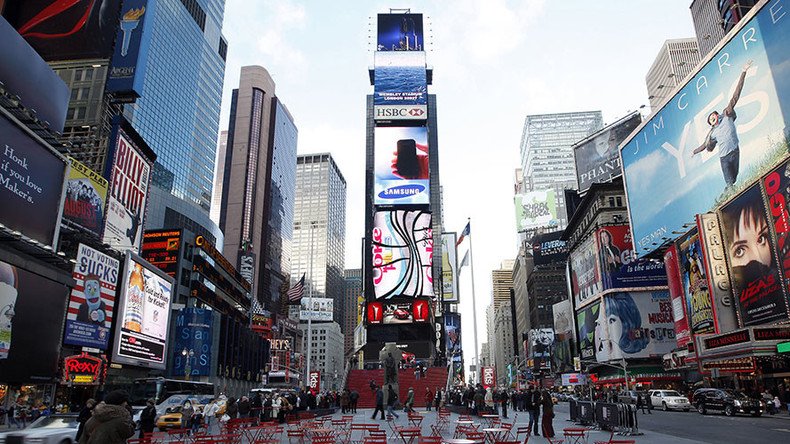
503 337
502 283
327 352
351 307
522 267
219 174
675 60
714 18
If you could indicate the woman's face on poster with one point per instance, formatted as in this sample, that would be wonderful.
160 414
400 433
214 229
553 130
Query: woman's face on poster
750 241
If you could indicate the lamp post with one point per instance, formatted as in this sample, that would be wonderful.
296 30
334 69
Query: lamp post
187 354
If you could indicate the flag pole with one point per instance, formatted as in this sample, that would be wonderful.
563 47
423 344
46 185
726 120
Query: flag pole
474 303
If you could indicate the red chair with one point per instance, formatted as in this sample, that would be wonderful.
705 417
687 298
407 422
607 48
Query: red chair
297 435
430 440
374 440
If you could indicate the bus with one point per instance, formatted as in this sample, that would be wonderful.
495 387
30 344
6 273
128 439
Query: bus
160 389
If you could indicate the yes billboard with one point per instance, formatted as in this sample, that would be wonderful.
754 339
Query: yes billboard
402 254
536 209
720 131
597 157
402 173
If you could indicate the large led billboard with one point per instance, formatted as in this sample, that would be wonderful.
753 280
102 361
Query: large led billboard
130 176
449 268
402 311
402 174
597 157
400 32
400 88
548 248
91 304
162 249
144 315
402 254
721 130
536 209
452 329
619 267
129 61
194 333
86 192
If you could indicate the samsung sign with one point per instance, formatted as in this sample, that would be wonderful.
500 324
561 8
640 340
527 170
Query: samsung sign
400 112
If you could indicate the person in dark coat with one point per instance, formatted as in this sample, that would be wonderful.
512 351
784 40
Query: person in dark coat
232 408
548 414
84 416
147 418
533 408
379 403
353 398
111 422
257 405
244 407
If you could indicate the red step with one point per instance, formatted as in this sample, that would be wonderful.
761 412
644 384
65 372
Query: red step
359 380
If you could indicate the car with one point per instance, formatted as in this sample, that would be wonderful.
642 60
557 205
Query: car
730 402
669 400
629 397
172 401
52 429
170 419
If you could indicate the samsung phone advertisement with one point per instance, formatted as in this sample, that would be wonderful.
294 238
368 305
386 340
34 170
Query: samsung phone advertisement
144 313
402 174
721 131
89 319
402 254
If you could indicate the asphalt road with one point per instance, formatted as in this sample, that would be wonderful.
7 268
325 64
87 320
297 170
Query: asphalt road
673 427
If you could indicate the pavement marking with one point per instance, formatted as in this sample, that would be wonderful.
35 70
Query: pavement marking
782 430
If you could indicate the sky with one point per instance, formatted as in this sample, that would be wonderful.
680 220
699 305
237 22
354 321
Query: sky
494 62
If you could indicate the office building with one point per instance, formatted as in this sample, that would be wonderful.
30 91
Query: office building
676 59
327 352
503 339
219 174
502 283
351 301
522 267
485 355
258 182
714 18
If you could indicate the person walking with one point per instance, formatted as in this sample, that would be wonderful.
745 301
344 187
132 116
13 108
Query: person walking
642 403
489 400
344 401
533 408
82 418
504 399
245 407
437 399
111 422
353 399
410 401
428 397
548 414
186 414
379 403
210 414
232 408
197 420
147 418
392 399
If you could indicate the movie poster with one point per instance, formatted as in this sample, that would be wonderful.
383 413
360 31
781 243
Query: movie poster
677 295
635 325
777 190
89 318
86 191
586 322
699 305
620 268
756 282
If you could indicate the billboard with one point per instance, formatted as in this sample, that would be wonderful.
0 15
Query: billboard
449 268
128 62
162 249
90 311
587 324
536 209
585 271
398 312
756 282
635 325
541 340
86 192
574 379
548 248
597 157
130 176
489 377
402 254
401 173
314 382
400 32
321 310
400 88
715 265
32 309
563 319
452 337
721 130
695 284
79 30
678 297
776 186
619 267
32 176
193 336
144 313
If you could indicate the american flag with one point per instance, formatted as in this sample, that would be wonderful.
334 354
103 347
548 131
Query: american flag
296 292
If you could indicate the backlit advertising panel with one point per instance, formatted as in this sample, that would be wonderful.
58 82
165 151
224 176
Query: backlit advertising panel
776 186
144 313
536 209
548 248
541 341
86 192
402 254
678 297
721 130
635 325
452 328
162 249
401 173
32 177
756 282
90 311
449 268
699 306
400 32
597 157
194 333
619 267
32 310
398 312
321 309
489 377
585 271
563 319
586 322
400 88
66 30
130 177
129 59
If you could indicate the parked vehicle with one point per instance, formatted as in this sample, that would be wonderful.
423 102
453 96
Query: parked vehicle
669 400
52 429
730 402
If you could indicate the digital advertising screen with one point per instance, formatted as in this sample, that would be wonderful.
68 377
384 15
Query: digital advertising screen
402 245
548 248
536 209
194 333
449 268
400 88
144 312
720 131
86 192
403 311
400 32
597 157
162 249
452 328
402 173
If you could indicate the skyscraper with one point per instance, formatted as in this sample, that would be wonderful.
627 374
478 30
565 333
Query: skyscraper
714 18
219 174
675 60
502 283
353 292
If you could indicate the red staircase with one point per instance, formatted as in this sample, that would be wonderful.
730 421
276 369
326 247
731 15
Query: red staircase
359 380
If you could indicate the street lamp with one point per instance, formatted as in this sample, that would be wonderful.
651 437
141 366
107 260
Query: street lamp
187 354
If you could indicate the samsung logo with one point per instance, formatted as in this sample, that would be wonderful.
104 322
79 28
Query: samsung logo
402 191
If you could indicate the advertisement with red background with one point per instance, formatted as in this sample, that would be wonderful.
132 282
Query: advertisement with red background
489 377
315 382
777 191
619 266
398 312
756 282
682 333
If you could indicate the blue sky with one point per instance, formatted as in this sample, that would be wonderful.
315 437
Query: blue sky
494 61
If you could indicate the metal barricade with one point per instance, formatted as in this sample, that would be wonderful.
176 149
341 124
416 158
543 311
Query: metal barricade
586 412
607 415
627 419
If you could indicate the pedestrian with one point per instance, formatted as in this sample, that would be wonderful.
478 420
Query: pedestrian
437 398
409 407
379 403
197 420
353 398
82 418
489 400
392 401
147 418
428 397
244 407
210 414
548 414
267 407
372 385
111 422
503 399
774 405
344 401
257 406
533 406
276 406
232 408
285 408
642 403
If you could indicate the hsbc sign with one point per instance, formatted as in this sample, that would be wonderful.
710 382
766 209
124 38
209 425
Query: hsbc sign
489 377
400 112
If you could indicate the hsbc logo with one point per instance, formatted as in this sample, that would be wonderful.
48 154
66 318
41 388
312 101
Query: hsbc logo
400 112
